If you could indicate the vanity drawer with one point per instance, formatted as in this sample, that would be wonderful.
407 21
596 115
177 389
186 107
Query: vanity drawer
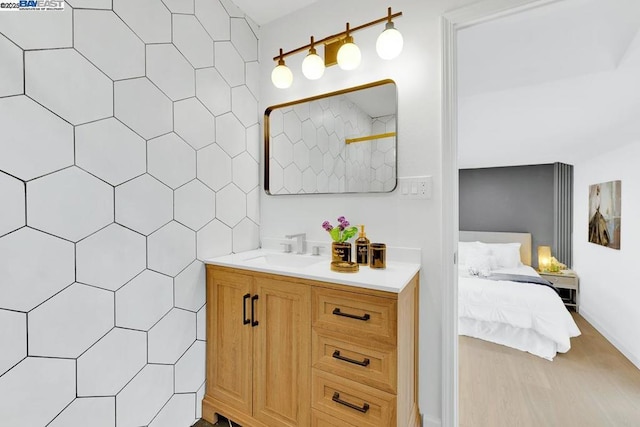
355 316
373 367
320 419
352 402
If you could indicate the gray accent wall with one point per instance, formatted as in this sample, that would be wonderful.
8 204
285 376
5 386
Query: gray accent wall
514 198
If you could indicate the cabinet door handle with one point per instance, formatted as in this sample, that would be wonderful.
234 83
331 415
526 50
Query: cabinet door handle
336 398
365 317
253 311
336 355
245 320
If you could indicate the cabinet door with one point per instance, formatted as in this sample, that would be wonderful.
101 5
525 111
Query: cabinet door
282 353
229 343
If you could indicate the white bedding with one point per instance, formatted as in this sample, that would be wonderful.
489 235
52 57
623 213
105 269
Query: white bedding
524 316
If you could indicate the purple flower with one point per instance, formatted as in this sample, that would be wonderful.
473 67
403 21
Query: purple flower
345 223
341 227
341 219
327 226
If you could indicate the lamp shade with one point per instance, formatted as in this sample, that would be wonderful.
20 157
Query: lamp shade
349 55
281 76
389 43
313 66
544 258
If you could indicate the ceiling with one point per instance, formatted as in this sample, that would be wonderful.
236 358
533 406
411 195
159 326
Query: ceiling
556 83
265 11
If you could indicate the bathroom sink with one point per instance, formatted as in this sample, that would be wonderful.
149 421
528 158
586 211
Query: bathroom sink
284 260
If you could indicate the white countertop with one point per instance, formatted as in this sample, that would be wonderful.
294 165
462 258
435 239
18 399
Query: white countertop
391 279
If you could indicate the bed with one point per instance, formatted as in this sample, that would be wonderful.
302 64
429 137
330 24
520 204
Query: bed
495 302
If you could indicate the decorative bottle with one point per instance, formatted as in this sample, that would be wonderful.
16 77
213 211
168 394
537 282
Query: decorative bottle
362 248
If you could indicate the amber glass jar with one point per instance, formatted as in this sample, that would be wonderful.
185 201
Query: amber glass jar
341 251
377 255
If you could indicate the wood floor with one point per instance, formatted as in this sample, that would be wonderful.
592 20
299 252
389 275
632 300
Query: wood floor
591 385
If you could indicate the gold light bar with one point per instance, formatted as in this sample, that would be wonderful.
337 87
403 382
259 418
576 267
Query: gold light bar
369 138
339 35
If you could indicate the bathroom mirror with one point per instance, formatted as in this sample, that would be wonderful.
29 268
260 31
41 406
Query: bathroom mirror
339 142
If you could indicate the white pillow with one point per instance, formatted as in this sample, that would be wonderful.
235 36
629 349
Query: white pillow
506 255
475 258
471 250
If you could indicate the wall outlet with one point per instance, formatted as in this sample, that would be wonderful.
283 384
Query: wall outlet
415 187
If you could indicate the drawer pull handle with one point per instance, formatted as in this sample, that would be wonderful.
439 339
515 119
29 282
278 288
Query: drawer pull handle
245 320
336 355
336 398
365 317
253 310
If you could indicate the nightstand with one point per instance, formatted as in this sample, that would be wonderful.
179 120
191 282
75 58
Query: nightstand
568 284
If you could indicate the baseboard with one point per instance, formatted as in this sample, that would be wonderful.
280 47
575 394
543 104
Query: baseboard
428 421
612 339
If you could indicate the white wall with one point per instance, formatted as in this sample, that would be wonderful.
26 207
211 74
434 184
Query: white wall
609 289
118 176
388 218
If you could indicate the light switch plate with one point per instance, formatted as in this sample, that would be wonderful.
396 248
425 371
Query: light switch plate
415 187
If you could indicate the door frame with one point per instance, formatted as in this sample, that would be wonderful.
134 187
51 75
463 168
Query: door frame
451 22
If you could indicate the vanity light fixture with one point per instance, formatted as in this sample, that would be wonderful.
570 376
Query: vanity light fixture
339 49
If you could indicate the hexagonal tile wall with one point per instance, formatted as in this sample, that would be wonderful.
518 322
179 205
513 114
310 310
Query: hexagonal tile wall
52 139
70 322
96 411
143 107
155 382
12 83
195 205
172 336
110 258
171 248
129 160
170 71
134 308
39 265
70 203
214 167
13 335
107 42
12 214
110 150
194 123
45 384
144 204
108 366
82 93
213 91
187 378
171 160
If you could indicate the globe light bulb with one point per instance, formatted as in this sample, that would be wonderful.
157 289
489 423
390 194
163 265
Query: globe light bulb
281 76
389 43
349 55
313 65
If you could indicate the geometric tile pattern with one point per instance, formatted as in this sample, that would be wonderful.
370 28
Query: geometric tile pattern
129 153
308 153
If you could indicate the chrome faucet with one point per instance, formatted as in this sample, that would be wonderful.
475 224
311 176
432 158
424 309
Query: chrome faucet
301 244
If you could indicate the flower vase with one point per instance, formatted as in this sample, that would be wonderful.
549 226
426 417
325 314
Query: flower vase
341 251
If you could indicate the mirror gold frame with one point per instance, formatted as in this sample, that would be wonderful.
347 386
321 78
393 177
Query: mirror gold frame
338 142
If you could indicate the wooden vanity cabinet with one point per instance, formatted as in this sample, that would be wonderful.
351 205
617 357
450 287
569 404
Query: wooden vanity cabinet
311 353
258 353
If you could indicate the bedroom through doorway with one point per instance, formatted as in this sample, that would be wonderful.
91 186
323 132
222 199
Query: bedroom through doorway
533 92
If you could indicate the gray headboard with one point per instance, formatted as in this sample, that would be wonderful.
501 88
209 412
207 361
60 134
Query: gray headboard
501 237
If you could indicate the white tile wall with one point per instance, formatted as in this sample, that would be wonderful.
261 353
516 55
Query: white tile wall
132 158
